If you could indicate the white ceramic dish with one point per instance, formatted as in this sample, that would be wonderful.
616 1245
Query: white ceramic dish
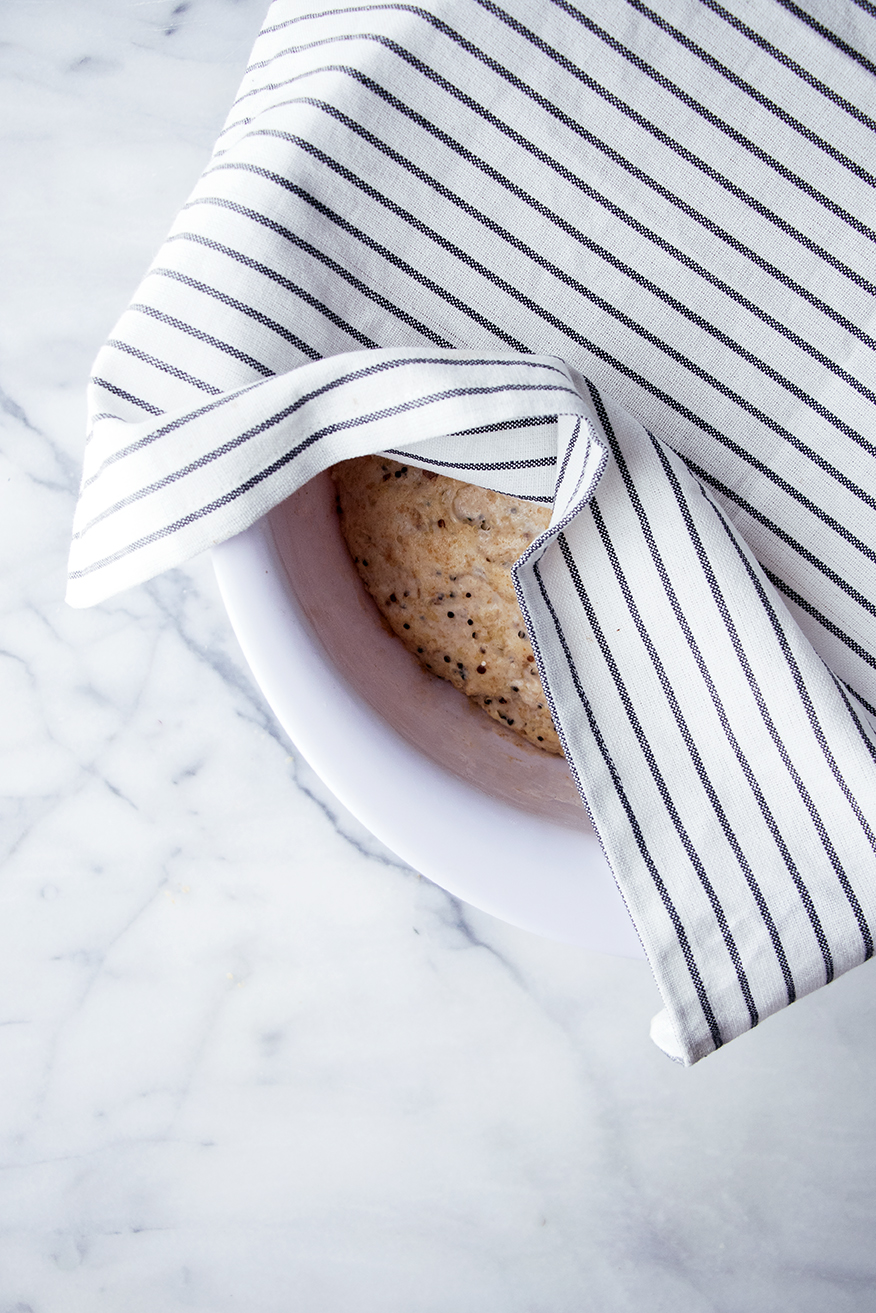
463 800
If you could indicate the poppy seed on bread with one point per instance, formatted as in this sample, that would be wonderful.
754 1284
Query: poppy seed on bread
435 554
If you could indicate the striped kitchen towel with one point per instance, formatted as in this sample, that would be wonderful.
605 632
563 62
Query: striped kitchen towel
613 257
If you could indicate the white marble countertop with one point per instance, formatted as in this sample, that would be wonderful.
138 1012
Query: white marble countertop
249 1059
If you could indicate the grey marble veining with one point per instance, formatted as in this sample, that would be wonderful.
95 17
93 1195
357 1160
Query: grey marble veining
249 1059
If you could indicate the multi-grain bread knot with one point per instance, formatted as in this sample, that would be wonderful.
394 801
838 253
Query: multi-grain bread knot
436 555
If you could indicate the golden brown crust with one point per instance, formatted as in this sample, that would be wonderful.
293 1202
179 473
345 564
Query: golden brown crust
435 554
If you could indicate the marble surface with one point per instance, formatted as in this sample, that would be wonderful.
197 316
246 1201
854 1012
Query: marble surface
249 1059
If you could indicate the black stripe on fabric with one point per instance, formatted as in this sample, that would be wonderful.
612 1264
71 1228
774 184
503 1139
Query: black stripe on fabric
619 213
636 829
376 246
844 788
329 13
865 5
783 535
678 612
715 120
823 620
280 280
687 738
645 748
864 728
240 306
789 63
626 109
537 462
665 140
540 543
572 444
818 733
451 249
856 720
503 426
163 365
181 420
532 635
868 706
828 35
531 630
386 412
801 394
201 336
757 694
604 355
594 480
525 422
570 762
717 8
355 376
300 49
778 110
125 396
814 509
586 343
639 174
268 86
309 249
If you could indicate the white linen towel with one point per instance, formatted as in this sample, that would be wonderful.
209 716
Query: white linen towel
612 257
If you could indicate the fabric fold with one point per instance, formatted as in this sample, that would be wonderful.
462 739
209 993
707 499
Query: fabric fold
725 767
156 492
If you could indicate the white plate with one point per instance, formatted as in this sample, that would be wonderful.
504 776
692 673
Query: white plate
464 801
